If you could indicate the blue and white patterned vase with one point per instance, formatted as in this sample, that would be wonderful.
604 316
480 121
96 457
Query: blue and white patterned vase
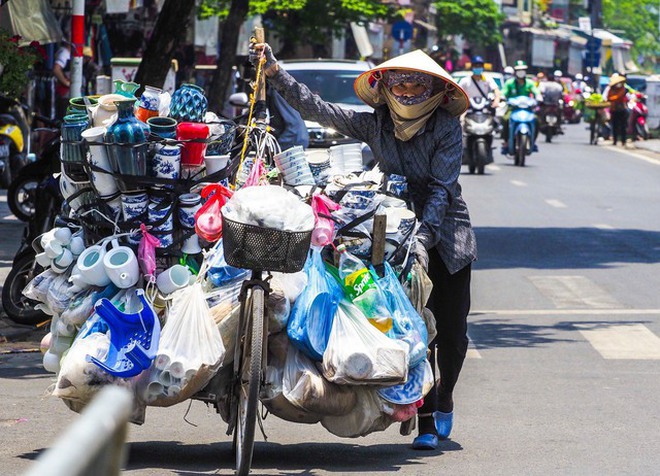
188 104
127 159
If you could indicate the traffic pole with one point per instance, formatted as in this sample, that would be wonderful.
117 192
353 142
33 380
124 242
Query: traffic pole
77 43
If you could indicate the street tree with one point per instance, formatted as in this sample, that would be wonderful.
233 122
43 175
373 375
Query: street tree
638 19
173 21
294 21
478 21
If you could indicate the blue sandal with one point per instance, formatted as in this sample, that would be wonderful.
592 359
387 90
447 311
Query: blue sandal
443 423
427 441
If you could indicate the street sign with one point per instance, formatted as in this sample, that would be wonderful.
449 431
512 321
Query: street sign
592 52
402 30
584 23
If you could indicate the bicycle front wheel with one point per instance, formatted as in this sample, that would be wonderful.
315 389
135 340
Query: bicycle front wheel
250 381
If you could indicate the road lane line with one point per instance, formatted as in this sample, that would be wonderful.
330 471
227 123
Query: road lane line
568 292
650 160
472 352
10 217
567 312
494 167
603 226
518 183
555 203
3 198
628 341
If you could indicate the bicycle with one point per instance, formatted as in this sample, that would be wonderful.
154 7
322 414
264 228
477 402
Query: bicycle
597 120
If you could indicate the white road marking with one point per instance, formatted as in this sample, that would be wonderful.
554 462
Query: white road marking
567 312
555 203
494 167
3 198
603 226
628 341
518 183
650 160
472 352
10 217
568 292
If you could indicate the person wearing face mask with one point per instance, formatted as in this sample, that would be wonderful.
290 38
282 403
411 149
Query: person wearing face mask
478 85
414 131
514 87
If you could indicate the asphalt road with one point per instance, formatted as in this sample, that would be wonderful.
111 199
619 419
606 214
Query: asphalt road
563 371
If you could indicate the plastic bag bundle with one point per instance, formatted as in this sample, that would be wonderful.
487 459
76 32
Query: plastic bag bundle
79 379
359 354
37 289
291 284
368 416
407 324
269 206
305 388
60 294
314 311
278 309
271 393
220 273
190 342
81 307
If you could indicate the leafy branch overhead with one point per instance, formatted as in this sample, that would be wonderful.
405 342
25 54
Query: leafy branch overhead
637 19
477 20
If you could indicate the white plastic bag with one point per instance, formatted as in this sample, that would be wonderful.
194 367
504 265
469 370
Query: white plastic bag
359 354
190 346
305 388
291 284
369 415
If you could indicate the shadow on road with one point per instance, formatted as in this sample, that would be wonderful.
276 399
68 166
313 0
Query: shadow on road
22 366
294 459
561 248
494 333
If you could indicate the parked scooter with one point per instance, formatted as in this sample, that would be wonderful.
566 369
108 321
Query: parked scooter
21 195
637 126
47 204
521 128
14 139
478 129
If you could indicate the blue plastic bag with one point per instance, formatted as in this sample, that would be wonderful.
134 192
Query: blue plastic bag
407 324
220 273
313 312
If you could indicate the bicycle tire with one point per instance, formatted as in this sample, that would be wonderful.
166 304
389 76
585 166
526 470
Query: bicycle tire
248 392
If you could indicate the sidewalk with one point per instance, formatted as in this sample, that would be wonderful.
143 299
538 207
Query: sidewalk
19 338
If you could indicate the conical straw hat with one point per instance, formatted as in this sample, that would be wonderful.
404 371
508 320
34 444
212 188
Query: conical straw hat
616 79
367 84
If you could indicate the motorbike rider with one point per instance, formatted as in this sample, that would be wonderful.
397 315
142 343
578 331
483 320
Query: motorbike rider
514 87
580 84
479 85
617 94
552 92
414 131
508 73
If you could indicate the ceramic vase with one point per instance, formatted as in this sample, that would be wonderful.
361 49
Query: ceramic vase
188 104
104 183
148 104
164 127
105 112
73 150
127 159
126 88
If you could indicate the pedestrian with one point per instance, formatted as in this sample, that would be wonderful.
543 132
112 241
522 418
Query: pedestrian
61 71
617 94
414 131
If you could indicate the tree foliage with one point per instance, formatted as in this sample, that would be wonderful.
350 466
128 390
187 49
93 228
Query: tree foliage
477 20
638 19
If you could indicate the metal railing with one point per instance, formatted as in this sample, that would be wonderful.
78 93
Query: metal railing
93 445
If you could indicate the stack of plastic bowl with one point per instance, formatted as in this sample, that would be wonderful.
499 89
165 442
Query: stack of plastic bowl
347 157
294 167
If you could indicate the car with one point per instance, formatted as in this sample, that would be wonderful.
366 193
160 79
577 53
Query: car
332 80
637 82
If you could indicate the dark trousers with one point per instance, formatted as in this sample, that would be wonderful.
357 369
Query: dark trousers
450 304
619 125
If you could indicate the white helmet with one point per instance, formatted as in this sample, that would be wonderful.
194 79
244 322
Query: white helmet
578 77
508 70
557 74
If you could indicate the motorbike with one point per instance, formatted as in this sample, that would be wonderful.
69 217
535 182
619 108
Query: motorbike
550 119
14 139
47 203
21 194
637 125
478 129
521 128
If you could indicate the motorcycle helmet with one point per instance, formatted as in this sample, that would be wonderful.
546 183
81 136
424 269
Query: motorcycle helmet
520 69
578 77
477 65
557 74
508 70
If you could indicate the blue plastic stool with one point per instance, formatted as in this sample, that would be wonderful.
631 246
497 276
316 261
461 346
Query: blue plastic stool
133 338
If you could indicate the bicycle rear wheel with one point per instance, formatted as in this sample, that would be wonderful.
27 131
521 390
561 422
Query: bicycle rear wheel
250 381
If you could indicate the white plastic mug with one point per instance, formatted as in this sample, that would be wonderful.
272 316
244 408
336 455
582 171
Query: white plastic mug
53 249
90 267
43 260
215 163
63 261
173 279
121 266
